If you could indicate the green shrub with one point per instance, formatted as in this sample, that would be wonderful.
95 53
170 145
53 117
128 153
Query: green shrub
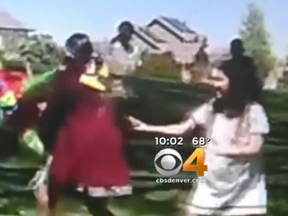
37 68
159 66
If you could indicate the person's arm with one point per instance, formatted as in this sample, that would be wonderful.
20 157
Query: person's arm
193 119
174 129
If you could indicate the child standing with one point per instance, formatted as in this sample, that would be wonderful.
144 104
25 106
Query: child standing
236 124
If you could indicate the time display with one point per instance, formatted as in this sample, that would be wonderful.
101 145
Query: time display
169 141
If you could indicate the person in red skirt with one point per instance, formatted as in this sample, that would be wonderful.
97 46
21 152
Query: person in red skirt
83 133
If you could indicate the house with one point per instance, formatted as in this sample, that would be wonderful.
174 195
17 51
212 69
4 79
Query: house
12 31
218 55
164 34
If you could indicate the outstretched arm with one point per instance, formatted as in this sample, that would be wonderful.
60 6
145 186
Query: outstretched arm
197 117
174 129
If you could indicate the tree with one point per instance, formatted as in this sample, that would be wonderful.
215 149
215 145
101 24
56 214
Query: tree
41 50
256 39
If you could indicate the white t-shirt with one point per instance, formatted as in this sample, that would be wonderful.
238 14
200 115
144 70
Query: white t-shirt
224 131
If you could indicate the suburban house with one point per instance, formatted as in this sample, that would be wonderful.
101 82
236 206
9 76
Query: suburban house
12 31
164 34
218 54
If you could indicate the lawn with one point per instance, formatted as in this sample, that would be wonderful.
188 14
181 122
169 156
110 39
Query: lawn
160 102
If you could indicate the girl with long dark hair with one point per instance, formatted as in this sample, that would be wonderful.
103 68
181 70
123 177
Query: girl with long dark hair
236 124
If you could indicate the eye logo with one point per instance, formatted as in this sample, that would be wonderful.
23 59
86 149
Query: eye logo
168 162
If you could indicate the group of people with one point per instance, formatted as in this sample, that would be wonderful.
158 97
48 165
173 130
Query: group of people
80 126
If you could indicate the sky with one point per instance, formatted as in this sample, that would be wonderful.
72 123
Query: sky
219 20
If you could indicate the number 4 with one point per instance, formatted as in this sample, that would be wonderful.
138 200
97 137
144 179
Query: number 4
199 167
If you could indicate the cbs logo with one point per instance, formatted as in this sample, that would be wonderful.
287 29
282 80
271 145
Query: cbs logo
168 162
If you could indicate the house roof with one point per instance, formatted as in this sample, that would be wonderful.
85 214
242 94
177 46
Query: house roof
7 21
148 40
175 27
151 35
177 24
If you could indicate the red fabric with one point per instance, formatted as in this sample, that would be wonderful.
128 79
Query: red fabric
89 146
14 80
89 150
28 112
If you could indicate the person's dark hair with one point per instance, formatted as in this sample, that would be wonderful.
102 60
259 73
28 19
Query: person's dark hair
237 46
126 27
79 48
66 60
78 52
236 41
125 32
244 88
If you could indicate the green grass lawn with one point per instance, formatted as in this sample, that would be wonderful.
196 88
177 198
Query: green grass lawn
149 204
164 102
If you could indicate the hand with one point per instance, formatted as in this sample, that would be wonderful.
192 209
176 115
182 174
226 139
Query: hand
38 179
137 124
